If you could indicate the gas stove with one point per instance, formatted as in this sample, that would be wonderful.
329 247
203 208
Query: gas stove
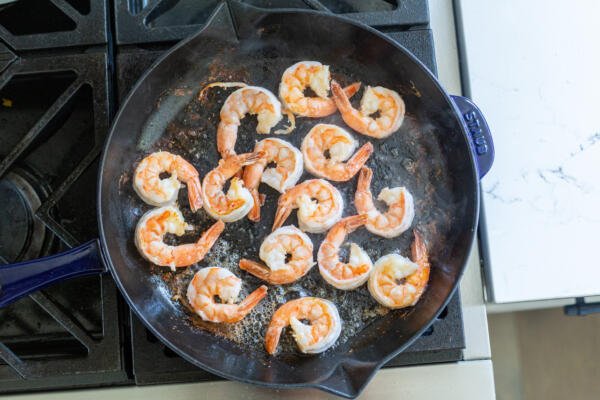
64 68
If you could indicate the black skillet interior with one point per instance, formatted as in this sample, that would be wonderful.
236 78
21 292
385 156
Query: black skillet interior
429 155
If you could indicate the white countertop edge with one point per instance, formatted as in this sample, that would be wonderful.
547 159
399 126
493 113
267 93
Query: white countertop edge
471 286
497 308
457 381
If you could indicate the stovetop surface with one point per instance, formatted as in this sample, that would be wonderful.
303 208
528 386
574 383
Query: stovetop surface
61 79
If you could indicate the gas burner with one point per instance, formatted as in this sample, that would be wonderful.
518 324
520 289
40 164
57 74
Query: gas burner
22 235
49 141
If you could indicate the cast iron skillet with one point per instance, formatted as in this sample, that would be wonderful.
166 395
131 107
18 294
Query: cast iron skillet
442 149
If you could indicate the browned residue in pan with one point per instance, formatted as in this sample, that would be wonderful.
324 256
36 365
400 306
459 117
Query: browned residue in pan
412 157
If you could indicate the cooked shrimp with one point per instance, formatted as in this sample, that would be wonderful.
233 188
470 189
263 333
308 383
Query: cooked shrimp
323 330
396 281
287 171
340 145
238 201
388 103
355 272
315 75
401 209
155 224
314 216
212 282
285 241
159 192
247 100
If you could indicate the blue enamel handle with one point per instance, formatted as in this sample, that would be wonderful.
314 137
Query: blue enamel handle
480 136
18 280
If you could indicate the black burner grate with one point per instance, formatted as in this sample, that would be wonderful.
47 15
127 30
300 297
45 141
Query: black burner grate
42 24
54 119
146 21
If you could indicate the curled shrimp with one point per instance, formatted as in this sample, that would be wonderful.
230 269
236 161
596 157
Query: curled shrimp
212 282
286 173
319 205
401 209
396 281
340 145
302 75
159 192
155 224
323 330
375 99
283 242
247 100
238 201
355 272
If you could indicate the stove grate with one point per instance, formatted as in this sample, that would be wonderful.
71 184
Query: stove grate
149 21
44 24
51 339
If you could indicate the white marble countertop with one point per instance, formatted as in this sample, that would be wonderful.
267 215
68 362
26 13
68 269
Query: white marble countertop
471 379
533 69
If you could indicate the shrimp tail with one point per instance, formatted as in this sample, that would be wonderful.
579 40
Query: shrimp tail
257 269
272 337
352 89
419 255
364 180
419 250
246 305
340 98
254 214
282 213
252 174
354 222
363 198
259 201
195 194
235 162
360 158
251 158
208 238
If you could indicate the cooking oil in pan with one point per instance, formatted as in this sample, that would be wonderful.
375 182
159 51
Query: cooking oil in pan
411 158
356 307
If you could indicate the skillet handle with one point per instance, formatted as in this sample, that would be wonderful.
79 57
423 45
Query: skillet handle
480 136
18 280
